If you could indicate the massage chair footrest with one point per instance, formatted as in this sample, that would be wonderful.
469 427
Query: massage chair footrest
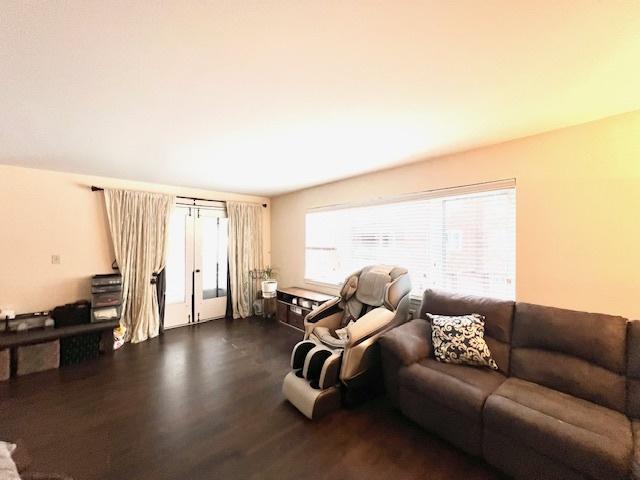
319 365
313 403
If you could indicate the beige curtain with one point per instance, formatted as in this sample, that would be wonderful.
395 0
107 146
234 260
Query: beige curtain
245 255
139 223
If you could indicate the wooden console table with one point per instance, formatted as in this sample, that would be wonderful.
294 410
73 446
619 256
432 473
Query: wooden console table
41 335
293 304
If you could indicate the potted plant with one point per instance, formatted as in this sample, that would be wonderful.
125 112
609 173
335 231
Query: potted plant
269 284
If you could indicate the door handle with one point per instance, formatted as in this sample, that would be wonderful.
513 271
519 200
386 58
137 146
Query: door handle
198 270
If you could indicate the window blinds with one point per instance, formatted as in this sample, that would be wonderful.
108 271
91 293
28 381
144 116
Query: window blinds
459 240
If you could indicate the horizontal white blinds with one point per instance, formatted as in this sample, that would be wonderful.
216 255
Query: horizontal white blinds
460 243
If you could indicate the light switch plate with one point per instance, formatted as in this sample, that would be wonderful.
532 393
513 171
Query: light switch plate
55 259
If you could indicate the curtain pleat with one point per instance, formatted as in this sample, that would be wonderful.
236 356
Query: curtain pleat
245 255
139 223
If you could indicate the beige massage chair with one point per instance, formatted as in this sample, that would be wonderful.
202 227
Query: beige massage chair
339 350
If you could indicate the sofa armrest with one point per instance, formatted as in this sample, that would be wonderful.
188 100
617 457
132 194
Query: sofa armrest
408 343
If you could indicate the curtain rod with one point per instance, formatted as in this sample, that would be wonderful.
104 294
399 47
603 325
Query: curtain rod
99 189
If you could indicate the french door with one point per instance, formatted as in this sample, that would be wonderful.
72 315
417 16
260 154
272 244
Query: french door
196 271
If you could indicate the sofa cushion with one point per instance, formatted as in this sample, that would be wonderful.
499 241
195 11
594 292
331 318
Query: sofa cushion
460 340
633 355
633 368
458 387
635 462
587 437
498 315
521 462
596 338
460 430
582 354
570 375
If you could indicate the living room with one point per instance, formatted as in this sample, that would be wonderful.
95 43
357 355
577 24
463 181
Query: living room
350 240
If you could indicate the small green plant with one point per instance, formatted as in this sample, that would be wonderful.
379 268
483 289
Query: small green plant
267 273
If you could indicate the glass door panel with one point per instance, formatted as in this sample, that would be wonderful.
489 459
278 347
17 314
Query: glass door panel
223 259
211 286
211 265
179 269
196 270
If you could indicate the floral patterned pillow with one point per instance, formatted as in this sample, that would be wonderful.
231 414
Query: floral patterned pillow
460 340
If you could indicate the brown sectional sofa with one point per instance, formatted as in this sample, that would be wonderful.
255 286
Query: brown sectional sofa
565 403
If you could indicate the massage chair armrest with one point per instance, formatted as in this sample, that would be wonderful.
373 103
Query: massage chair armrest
410 342
374 322
329 315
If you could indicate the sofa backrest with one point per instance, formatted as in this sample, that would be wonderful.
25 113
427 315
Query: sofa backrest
582 354
497 324
633 368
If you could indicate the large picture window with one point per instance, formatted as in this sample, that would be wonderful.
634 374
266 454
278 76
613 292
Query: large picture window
459 240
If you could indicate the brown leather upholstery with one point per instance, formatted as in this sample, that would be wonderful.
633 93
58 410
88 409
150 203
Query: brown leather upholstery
569 374
562 412
459 390
403 346
635 461
498 318
582 354
633 369
596 338
574 432
407 342
458 387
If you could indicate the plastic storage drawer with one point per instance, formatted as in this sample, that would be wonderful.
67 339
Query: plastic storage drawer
107 299
106 314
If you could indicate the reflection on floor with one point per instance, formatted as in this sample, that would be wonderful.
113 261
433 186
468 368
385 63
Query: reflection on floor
204 402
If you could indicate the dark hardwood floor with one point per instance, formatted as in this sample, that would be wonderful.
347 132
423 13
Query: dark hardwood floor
205 402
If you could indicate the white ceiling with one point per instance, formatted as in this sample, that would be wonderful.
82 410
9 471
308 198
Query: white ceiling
266 97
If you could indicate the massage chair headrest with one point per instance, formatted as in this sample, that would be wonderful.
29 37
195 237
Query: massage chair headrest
377 285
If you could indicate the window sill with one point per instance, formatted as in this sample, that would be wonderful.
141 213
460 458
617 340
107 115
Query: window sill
333 286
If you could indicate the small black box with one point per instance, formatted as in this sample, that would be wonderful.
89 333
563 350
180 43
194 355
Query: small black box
72 314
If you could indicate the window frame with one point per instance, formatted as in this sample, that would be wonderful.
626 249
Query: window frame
440 193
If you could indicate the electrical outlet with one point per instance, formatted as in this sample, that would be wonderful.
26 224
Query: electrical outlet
55 259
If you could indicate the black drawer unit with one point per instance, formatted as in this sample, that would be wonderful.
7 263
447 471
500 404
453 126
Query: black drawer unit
106 288
106 280
106 297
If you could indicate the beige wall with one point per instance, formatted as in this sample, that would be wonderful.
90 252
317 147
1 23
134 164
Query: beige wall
578 211
44 213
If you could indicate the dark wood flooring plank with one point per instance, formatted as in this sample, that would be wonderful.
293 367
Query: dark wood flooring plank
205 402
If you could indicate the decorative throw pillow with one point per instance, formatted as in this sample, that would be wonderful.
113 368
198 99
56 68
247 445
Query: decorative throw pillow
8 470
460 340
